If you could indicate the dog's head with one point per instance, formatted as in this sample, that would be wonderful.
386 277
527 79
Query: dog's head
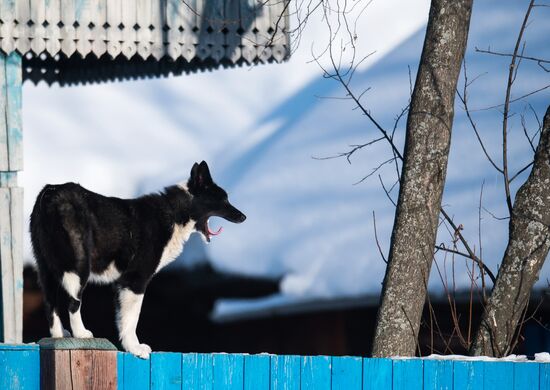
209 200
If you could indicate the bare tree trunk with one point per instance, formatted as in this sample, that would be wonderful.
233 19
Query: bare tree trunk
528 246
427 145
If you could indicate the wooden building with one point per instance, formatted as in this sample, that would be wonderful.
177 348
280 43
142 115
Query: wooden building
89 41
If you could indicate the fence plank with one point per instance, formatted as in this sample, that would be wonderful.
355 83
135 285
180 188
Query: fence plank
408 374
228 371
526 376
377 374
438 374
165 370
4 155
468 375
315 373
120 370
498 375
20 369
285 372
136 372
544 376
256 372
347 373
196 371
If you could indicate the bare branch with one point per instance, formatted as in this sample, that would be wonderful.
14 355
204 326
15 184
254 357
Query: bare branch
376 238
539 61
511 76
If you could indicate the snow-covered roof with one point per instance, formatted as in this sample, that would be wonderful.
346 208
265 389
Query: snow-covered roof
71 41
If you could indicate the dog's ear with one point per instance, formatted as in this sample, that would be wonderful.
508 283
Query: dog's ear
204 173
200 177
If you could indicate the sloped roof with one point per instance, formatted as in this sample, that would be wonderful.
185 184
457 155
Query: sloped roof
72 41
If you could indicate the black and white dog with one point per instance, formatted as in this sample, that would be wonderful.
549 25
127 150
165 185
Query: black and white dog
79 236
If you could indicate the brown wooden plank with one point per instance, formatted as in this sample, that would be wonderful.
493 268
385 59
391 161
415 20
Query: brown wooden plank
104 370
81 369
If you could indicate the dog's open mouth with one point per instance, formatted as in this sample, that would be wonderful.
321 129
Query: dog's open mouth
209 233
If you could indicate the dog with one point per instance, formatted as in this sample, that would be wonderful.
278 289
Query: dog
79 236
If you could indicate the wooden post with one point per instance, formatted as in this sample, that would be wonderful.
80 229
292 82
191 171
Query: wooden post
77 364
11 200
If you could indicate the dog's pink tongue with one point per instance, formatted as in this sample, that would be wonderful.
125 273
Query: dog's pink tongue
216 232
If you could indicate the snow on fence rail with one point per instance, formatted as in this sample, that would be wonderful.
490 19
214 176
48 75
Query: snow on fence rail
20 369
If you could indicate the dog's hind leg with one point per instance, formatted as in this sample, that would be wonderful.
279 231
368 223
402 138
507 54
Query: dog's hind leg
50 286
71 282
75 281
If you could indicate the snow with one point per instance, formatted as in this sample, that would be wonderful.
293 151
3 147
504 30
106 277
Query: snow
542 357
258 128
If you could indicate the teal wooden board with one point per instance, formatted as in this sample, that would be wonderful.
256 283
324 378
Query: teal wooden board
498 375
315 373
347 373
166 371
526 376
408 374
377 374
468 375
285 372
544 376
228 370
256 372
438 374
196 371
20 369
76 343
137 372
120 370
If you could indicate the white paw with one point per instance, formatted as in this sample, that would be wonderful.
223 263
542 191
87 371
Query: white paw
140 350
83 334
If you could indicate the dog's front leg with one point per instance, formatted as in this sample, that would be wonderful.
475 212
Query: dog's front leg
129 307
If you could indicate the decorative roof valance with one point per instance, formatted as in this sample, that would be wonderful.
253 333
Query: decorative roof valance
71 41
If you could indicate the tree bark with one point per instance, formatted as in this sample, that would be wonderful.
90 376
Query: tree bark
528 246
427 145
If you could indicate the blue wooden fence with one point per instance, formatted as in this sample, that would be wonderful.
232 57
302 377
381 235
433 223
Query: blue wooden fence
20 369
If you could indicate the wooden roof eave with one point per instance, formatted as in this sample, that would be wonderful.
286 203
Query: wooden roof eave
72 41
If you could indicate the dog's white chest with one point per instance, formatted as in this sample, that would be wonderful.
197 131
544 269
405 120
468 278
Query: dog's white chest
173 248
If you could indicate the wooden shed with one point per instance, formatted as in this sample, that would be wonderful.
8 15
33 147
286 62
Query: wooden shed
88 41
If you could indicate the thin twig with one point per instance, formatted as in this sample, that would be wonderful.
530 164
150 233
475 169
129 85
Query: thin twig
511 72
376 238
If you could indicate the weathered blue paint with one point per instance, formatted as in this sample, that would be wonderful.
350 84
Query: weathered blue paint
14 87
196 371
347 373
166 371
526 376
228 371
136 373
408 374
438 374
544 376
377 374
257 372
468 375
285 372
316 371
498 375
19 367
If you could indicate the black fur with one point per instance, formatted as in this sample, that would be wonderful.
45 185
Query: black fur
76 230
